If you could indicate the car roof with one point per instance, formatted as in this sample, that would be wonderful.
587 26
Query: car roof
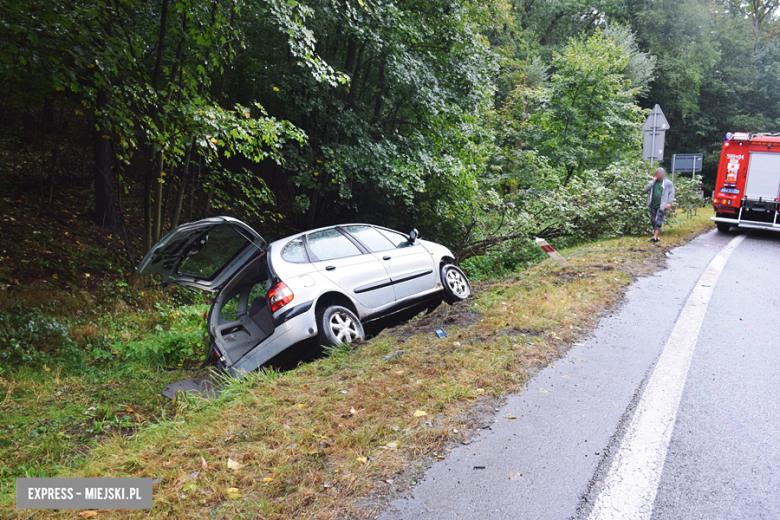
284 240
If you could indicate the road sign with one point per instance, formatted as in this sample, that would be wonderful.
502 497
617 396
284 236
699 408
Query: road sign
656 120
655 128
653 149
686 162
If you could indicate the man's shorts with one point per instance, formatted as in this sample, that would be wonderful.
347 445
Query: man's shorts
657 217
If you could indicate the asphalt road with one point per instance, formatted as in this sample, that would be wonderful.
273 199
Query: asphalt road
684 373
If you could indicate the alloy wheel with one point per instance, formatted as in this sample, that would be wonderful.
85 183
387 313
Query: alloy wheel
457 283
343 327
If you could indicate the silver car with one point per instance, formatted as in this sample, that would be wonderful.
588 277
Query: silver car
323 283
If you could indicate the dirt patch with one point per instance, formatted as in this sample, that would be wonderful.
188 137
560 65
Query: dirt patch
459 315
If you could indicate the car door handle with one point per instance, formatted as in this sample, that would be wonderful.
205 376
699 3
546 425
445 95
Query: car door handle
330 268
385 258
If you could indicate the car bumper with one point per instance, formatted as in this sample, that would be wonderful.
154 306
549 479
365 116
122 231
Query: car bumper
752 224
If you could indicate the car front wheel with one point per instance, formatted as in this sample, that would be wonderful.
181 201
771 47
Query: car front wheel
339 325
456 285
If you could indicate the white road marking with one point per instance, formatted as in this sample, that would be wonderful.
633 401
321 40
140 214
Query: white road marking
632 482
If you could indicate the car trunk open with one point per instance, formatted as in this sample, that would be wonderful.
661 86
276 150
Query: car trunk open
221 255
204 254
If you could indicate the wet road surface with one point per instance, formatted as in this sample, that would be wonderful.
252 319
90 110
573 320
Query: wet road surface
669 410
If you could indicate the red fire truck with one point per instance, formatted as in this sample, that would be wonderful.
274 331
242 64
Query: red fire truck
747 192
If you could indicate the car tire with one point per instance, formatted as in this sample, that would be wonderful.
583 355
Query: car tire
456 286
723 227
339 325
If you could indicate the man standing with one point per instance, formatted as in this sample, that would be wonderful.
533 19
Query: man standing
660 195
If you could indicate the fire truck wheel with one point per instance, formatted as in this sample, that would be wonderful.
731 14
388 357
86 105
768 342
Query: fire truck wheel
723 227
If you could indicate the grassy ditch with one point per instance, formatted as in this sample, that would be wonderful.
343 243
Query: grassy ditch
313 442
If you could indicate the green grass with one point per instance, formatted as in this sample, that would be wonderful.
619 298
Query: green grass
51 420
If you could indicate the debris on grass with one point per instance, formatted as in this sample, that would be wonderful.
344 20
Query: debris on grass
398 354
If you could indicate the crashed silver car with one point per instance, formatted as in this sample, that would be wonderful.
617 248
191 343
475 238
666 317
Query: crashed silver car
323 283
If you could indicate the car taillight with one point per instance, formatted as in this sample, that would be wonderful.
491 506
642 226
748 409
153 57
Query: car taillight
279 296
727 202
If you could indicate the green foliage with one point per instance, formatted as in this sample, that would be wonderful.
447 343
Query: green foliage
587 117
32 338
482 124
606 203
688 195
179 335
407 124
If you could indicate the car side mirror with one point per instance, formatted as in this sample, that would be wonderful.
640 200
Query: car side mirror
413 236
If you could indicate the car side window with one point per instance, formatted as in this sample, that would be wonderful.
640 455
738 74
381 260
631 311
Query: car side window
399 240
295 252
330 244
372 238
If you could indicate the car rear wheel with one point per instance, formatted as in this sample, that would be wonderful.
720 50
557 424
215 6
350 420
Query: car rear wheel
456 285
723 227
339 325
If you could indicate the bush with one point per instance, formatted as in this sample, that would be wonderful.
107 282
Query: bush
180 334
34 339
688 195
498 232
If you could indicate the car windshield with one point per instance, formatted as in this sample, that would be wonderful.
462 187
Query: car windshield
212 252
399 240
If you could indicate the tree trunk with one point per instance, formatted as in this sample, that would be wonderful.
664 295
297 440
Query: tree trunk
47 117
208 201
378 103
105 210
185 177
167 199
151 227
195 183
148 211
157 183
53 171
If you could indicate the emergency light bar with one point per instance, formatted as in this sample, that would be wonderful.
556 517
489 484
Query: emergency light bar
740 136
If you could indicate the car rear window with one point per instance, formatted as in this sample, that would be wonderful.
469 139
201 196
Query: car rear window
295 252
331 244
399 240
219 246
372 238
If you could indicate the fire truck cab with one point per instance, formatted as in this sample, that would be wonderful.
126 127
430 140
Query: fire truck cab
747 190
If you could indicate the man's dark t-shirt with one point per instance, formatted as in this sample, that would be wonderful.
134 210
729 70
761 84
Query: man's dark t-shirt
658 190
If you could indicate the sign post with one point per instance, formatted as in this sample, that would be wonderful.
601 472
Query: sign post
547 248
655 133
688 162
